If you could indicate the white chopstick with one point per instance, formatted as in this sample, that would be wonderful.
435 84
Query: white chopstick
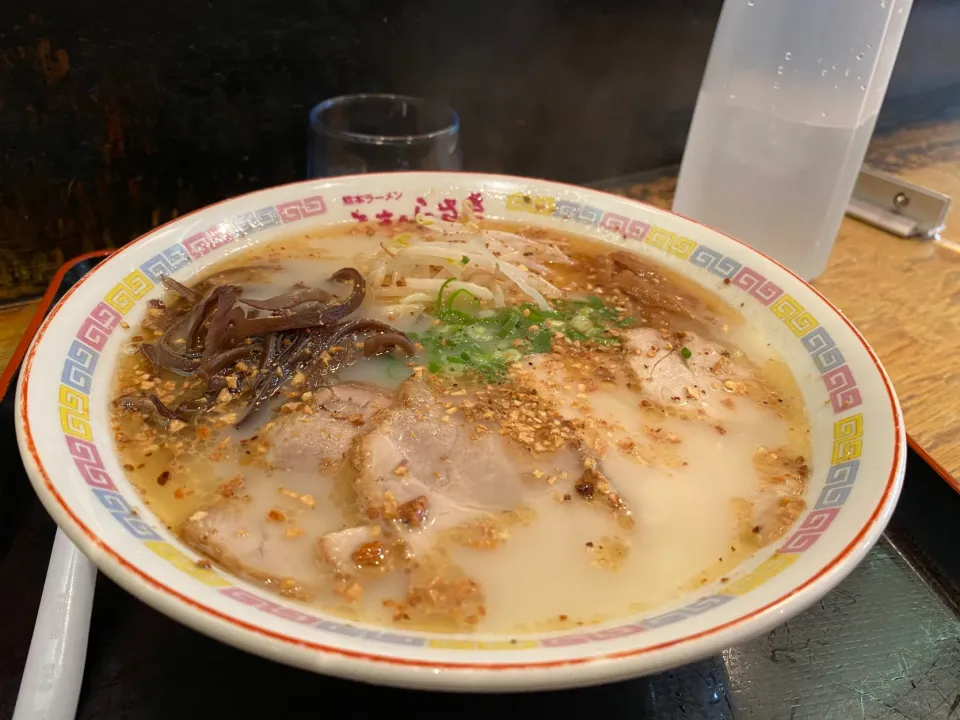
50 686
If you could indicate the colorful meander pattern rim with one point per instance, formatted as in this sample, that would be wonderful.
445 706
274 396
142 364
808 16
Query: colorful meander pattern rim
77 377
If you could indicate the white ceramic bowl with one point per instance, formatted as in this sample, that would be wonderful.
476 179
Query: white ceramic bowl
63 430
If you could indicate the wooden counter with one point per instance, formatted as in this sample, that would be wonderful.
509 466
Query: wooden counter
13 322
903 295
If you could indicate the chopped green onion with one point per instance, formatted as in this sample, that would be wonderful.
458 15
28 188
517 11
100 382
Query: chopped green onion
453 296
484 343
439 303
464 260
685 353
479 332
581 323
510 324
542 342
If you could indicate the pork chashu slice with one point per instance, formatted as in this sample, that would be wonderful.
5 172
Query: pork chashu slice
430 469
264 535
322 429
266 527
691 376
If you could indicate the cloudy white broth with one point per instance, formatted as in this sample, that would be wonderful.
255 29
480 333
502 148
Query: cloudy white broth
460 427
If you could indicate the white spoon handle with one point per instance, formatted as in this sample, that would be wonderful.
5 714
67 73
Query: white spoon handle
50 686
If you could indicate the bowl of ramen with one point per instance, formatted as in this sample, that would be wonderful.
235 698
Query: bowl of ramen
459 431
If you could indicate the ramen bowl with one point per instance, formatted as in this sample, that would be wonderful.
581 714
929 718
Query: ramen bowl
65 437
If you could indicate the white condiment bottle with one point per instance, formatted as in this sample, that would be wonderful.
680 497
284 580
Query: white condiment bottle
786 110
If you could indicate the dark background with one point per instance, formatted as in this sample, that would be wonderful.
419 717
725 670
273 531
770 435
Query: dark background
116 116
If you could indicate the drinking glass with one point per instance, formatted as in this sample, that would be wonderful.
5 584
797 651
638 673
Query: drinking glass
381 133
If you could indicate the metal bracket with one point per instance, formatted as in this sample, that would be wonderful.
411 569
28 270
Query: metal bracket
897 206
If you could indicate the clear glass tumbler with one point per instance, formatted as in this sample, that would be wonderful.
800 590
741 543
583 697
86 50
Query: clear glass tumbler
382 133
786 110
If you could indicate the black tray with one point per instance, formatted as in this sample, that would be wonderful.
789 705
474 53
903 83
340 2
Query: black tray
884 644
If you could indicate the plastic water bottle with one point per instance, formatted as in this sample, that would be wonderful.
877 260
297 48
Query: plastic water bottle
786 110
